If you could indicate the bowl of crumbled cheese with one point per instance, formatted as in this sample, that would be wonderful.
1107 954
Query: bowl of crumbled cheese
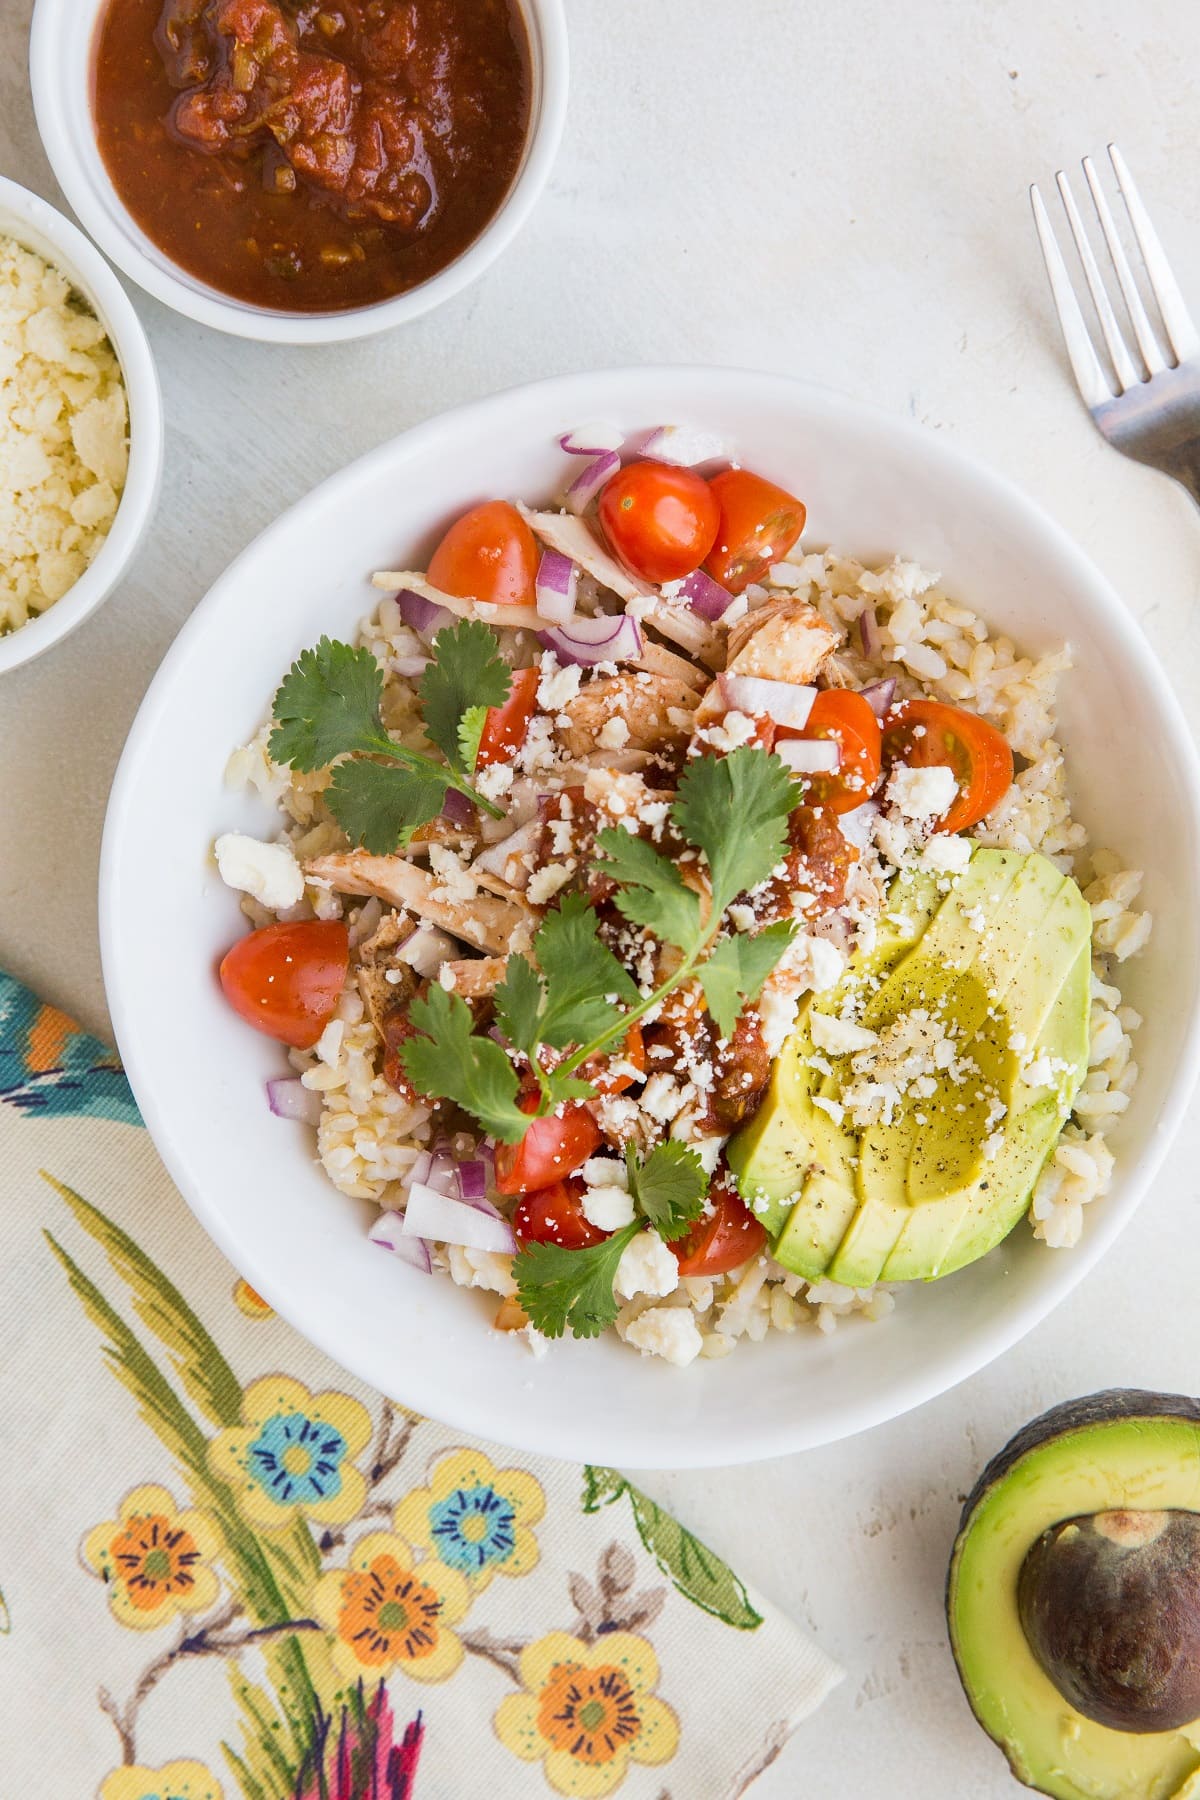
81 432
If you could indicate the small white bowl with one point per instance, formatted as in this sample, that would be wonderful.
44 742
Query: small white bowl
60 69
874 485
33 222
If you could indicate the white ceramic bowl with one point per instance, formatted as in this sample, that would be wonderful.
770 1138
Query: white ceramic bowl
33 222
60 62
874 484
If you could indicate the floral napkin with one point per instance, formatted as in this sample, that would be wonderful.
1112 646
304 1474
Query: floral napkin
226 1569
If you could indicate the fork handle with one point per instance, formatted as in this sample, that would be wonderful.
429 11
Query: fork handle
1159 423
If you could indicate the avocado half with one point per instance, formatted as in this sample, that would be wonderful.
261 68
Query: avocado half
1073 1599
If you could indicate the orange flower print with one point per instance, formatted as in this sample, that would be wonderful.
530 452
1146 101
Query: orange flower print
587 1711
387 1611
154 1558
249 1301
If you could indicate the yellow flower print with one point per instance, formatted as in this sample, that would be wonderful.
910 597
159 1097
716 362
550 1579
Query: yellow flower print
294 1454
174 1781
154 1558
587 1710
389 1611
249 1301
474 1517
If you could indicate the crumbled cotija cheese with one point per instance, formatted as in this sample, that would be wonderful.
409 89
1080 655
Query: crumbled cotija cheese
62 435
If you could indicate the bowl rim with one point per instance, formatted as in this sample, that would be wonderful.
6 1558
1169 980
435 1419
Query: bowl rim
86 269
81 174
768 1438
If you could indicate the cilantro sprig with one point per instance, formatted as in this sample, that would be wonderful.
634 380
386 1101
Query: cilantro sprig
328 708
576 997
560 1288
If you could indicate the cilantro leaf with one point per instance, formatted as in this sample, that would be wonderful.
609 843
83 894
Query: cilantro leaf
652 890
735 972
668 1186
380 805
466 676
327 704
519 1004
567 1087
580 973
735 808
560 1287
451 1063
470 731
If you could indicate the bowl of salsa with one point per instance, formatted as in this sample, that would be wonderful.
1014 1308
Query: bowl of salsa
300 171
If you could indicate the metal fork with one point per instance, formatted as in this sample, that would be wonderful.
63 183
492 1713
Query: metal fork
1146 397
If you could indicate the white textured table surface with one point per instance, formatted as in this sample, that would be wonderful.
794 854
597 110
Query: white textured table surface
832 189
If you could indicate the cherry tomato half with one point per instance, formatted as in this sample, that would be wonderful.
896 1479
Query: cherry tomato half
554 1215
924 733
722 1239
661 521
286 980
551 1149
489 554
845 718
506 726
759 524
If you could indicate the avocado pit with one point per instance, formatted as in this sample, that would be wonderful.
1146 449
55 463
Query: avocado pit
1109 1604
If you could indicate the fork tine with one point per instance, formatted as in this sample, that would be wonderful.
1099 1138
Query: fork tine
1142 329
1181 333
1093 383
1127 375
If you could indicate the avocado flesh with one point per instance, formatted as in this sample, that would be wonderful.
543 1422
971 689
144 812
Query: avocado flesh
1115 1451
1005 951
938 971
792 1147
945 1235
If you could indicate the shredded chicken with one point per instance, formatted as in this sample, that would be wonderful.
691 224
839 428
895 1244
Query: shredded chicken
474 977
656 711
574 537
485 921
786 640
384 978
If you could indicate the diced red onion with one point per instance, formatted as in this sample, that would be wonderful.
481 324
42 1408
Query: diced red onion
879 696
422 615
473 1179
704 595
410 666
607 637
684 446
557 582
430 1214
784 701
589 481
592 440
868 632
457 808
810 756
290 1099
389 1233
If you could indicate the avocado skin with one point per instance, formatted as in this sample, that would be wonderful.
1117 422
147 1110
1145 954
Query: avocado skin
1071 1418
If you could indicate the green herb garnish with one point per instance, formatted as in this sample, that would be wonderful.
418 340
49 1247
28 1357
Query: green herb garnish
560 1288
734 810
328 707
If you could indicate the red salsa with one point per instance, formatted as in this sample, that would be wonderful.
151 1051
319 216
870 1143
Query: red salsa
311 155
